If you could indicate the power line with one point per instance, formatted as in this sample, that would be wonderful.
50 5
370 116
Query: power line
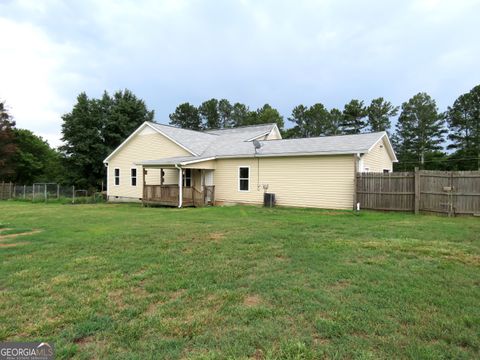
438 160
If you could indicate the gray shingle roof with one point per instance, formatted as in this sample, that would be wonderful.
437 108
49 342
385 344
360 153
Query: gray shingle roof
236 142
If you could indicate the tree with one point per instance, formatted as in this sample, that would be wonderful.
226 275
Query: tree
265 115
301 120
312 121
225 112
335 123
419 131
463 119
379 113
120 116
35 160
240 114
354 114
186 116
7 144
209 114
94 128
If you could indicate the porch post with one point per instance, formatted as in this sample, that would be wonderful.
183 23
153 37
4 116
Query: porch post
143 183
180 186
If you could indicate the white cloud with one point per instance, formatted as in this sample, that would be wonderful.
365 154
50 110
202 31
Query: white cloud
32 77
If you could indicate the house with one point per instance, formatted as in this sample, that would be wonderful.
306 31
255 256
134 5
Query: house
161 164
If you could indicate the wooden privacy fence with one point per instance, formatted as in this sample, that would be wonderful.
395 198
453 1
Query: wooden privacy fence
447 192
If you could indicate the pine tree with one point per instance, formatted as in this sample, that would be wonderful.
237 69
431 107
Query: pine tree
354 115
186 116
209 114
463 119
419 131
379 113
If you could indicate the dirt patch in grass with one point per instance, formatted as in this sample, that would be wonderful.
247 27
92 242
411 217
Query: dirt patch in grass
84 341
252 300
116 297
12 236
258 355
320 340
339 285
13 244
177 294
464 258
152 308
216 236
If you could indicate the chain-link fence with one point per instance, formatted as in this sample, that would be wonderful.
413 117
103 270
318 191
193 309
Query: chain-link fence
49 192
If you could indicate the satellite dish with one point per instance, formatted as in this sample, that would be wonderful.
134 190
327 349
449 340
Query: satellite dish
256 144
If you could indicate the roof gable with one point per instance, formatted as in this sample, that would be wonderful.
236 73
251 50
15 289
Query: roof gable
140 129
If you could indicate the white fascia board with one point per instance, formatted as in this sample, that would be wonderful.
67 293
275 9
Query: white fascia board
257 136
294 154
197 161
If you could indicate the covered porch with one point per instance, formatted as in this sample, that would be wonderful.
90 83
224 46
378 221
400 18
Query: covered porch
171 182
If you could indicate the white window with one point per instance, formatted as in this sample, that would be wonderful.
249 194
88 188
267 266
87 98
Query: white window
244 178
386 171
133 176
117 176
187 178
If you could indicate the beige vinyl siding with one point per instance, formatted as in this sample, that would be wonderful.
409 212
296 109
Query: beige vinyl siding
307 181
378 158
146 145
274 135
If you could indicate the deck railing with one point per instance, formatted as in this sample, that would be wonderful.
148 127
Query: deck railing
168 195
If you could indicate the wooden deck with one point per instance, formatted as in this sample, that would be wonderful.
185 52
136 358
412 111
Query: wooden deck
167 195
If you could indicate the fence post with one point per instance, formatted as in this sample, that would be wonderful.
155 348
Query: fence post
24 192
33 192
45 192
417 191
73 194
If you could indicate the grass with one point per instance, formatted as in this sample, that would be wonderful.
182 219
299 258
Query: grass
125 282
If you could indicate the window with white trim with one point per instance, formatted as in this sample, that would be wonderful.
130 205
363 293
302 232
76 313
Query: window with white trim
187 178
133 176
244 178
117 176
386 171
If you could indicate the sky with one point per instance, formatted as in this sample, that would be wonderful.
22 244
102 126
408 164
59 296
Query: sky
284 53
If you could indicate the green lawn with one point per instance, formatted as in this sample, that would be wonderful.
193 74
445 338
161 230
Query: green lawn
122 281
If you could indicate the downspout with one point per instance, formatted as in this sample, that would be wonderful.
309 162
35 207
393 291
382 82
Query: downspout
180 185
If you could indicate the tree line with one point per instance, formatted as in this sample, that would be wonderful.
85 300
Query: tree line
422 136
90 131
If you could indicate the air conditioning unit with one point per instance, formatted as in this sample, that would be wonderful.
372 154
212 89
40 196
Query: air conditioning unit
268 200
